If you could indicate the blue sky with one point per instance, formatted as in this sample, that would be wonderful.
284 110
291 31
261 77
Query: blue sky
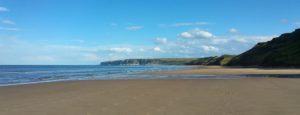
91 31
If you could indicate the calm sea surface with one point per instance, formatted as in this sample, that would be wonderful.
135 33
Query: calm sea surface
24 74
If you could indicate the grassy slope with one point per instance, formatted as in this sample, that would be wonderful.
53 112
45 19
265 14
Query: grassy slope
222 60
281 51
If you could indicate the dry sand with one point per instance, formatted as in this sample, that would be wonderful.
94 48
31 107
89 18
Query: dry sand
248 96
218 70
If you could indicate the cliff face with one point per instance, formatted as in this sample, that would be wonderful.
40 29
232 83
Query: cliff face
281 51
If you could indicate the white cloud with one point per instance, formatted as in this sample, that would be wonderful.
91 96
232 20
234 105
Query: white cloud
121 50
196 34
161 40
134 28
233 30
8 22
157 49
9 29
207 48
3 9
186 35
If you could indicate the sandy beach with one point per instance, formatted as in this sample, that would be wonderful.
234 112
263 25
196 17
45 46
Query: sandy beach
248 96
219 70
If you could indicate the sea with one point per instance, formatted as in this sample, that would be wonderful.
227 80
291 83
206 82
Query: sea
29 74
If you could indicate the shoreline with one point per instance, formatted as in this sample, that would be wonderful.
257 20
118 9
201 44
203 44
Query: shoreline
243 96
222 70
199 72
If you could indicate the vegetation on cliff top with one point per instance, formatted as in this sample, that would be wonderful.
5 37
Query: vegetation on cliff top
222 60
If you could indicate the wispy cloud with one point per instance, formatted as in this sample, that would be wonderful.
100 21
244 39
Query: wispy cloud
134 28
3 9
9 29
9 22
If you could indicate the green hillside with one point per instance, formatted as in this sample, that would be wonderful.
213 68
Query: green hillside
281 51
222 60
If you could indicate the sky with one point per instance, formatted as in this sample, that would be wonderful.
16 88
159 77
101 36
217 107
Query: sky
87 32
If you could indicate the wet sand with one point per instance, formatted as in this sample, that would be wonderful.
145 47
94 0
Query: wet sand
247 96
219 70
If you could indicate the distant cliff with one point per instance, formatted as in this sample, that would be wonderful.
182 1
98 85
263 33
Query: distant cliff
222 60
281 51
159 61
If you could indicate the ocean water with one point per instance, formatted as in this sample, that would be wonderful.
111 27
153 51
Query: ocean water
27 74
